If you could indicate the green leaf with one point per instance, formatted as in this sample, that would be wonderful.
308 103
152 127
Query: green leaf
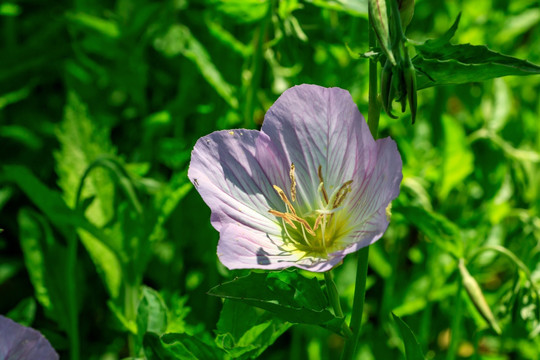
243 11
413 351
81 144
288 295
152 313
458 159
25 312
245 332
441 63
179 40
46 265
67 220
436 227
102 26
178 347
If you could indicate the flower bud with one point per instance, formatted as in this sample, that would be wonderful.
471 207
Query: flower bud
409 74
387 93
406 11
475 294
379 20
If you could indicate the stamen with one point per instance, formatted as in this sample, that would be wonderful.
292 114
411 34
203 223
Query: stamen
283 197
284 216
341 194
304 223
293 183
321 186
318 222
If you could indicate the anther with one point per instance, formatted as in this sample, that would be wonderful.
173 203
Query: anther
341 193
325 195
284 216
293 183
283 197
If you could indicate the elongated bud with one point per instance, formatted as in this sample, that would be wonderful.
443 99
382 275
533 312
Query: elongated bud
477 297
406 11
409 74
379 20
387 95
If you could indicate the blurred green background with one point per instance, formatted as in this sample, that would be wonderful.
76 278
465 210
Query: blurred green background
128 86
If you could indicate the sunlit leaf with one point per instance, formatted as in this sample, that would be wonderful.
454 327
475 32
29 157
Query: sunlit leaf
152 313
178 347
245 332
413 350
441 63
288 295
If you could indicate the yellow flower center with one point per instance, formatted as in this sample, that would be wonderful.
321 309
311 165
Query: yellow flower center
315 232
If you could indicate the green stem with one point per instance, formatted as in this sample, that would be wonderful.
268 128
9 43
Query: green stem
130 308
374 111
349 350
72 297
255 81
374 108
456 323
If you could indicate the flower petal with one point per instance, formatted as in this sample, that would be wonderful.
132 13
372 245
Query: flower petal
314 126
370 198
240 249
236 184
21 342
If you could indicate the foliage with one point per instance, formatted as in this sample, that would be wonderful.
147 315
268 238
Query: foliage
108 252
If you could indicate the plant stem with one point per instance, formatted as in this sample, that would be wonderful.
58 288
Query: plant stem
71 285
131 297
374 111
374 108
254 82
349 350
456 323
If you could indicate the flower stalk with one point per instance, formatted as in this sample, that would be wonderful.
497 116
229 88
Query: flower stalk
374 111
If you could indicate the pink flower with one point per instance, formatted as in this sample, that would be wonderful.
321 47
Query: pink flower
309 188
21 342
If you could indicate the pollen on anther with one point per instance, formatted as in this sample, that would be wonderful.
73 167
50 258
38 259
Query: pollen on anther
293 183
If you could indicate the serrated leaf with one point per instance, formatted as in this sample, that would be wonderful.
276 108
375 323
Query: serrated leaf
433 44
436 227
245 332
413 350
82 143
178 347
288 295
441 63
435 72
